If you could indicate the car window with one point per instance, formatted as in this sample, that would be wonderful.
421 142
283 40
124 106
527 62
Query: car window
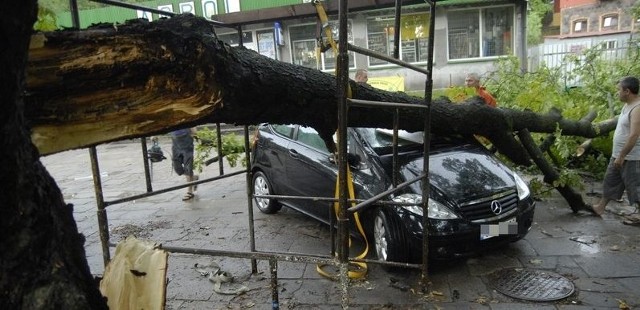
285 130
309 137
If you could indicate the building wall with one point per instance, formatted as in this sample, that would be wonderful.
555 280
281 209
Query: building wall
446 72
563 4
594 12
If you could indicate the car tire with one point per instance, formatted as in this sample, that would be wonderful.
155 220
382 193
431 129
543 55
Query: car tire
389 237
262 186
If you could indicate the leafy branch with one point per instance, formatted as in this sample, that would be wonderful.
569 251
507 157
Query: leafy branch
207 144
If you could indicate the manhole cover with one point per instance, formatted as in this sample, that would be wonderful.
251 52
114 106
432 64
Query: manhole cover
528 284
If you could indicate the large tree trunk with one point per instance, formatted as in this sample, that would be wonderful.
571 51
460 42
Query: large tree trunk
42 259
110 83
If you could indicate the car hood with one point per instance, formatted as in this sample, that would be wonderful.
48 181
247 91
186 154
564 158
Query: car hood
462 173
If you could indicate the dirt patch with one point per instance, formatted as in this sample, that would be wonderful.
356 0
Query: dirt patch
139 231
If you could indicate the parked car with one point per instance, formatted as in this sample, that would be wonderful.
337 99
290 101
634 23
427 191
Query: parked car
476 201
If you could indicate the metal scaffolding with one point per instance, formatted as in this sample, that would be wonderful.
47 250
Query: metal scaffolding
341 258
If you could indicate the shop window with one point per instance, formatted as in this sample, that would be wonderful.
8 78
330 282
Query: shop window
579 26
414 36
303 47
267 43
609 22
233 39
480 33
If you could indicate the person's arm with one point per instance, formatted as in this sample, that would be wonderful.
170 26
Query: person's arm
634 133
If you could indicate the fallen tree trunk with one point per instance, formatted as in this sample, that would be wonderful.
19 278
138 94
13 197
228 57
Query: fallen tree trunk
576 203
105 84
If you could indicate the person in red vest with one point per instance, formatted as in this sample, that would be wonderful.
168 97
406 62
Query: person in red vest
472 80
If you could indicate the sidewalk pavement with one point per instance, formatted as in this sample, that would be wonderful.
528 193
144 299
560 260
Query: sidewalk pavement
600 256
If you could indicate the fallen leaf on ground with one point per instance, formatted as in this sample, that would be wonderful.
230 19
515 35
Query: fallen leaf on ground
536 261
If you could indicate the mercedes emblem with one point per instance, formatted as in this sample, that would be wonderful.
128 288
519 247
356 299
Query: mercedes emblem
496 207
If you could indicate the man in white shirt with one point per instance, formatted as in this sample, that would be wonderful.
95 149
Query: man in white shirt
623 172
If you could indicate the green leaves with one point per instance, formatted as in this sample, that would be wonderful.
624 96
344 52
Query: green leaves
584 81
207 143
46 19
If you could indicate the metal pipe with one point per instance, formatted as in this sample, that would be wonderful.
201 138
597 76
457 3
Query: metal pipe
220 153
145 162
424 276
342 79
103 224
249 183
168 189
285 257
394 162
377 197
396 30
375 54
273 268
75 15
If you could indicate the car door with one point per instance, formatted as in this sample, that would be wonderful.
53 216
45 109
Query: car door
274 143
310 172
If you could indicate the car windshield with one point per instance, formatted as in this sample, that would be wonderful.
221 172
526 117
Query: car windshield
377 137
381 140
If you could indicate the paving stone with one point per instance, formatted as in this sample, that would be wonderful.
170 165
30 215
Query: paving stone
600 255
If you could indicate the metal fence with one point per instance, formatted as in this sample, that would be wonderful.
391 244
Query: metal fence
555 54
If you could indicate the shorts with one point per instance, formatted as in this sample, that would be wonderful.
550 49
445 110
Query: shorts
616 181
182 154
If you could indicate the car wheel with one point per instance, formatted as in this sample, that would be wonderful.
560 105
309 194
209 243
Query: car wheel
261 186
388 237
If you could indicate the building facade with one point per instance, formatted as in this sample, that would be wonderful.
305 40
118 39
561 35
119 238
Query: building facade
606 24
470 35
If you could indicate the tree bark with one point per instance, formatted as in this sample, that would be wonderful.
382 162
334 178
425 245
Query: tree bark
111 83
42 259
576 203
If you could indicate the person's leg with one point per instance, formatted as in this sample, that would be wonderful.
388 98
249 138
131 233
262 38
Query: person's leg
612 188
631 177
188 167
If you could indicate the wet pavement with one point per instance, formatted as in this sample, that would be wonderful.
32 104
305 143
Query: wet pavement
600 256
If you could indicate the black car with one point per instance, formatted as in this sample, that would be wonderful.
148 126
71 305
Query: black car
476 201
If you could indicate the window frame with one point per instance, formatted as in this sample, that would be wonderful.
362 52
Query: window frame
509 26
417 42
580 20
614 16
323 57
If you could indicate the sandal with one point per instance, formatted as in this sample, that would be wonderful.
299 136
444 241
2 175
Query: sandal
633 220
187 196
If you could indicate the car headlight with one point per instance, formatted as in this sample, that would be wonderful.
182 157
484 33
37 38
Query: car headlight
522 187
436 209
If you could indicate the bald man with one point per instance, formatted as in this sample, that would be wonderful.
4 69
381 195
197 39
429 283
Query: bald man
473 80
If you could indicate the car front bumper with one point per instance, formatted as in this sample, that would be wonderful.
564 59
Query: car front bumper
450 239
